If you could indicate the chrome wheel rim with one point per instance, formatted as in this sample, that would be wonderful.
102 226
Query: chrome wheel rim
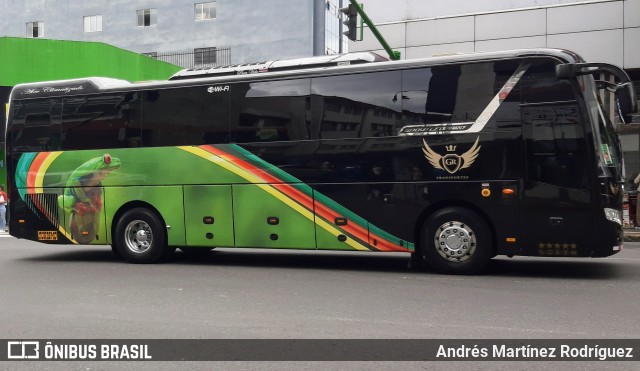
455 241
138 236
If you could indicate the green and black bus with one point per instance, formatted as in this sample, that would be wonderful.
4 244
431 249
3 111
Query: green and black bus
453 159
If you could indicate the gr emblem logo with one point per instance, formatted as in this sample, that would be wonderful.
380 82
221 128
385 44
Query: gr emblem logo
451 162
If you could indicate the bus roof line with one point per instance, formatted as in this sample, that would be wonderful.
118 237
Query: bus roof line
280 65
99 84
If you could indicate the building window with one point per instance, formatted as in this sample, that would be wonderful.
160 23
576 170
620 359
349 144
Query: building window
35 29
332 20
205 11
93 23
205 56
147 17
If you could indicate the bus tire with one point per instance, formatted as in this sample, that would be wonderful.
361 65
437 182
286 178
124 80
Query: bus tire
140 237
455 240
115 252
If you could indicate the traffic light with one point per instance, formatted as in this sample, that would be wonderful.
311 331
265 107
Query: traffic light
351 13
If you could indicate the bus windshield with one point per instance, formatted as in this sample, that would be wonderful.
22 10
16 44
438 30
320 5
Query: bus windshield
609 153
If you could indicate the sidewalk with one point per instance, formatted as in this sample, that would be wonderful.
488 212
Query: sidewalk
631 235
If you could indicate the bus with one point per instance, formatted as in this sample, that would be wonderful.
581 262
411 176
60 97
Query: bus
453 159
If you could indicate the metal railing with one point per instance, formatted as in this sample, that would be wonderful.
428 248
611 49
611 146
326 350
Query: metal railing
198 58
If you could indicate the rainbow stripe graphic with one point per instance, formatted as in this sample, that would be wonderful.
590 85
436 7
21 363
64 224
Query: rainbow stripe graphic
31 170
292 192
285 187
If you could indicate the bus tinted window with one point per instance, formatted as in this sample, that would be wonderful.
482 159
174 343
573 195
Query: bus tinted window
270 111
36 125
452 93
101 121
201 113
555 144
356 106
553 128
540 84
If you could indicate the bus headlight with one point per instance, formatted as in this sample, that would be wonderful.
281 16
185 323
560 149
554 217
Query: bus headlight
613 215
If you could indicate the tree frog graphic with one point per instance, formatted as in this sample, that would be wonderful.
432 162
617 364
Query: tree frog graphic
82 199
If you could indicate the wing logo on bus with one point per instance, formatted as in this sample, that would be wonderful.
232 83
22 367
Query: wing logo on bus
451 162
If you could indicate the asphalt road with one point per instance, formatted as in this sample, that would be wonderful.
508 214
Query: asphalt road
62 292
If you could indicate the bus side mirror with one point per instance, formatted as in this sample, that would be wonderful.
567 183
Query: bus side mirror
627 99
623 88
566 71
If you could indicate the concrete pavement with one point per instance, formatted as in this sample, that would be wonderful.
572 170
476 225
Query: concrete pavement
631 235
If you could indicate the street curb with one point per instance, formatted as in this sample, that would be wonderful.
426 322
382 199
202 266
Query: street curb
631 236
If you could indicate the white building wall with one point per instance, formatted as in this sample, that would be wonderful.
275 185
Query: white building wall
600 30
382 11
255 31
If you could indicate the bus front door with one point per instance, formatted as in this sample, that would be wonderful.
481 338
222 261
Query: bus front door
557 203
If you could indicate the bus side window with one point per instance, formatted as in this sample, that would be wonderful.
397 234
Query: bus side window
185 116
269 111
101 121
36 125
555 144
553 128
450 93
356 106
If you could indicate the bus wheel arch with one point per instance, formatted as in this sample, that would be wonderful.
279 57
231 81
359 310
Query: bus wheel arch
139 234
454 238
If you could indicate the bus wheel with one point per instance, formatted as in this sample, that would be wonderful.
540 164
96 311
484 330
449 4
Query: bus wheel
455 240
140 237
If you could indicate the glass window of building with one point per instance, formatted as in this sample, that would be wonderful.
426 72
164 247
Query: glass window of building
147 17
205 56
35 29
205 11
93 23
332 32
